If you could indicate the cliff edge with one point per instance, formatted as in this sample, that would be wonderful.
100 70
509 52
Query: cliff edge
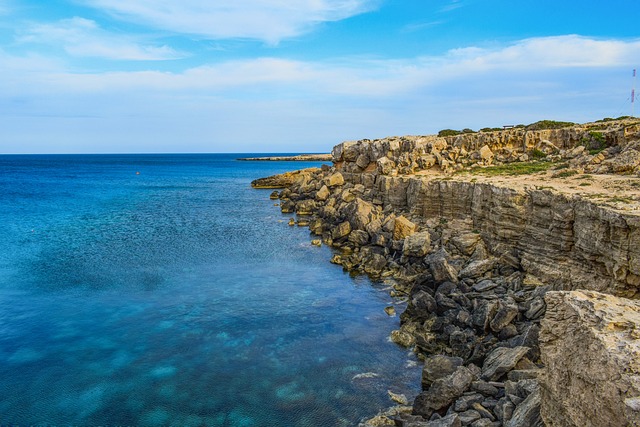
476 233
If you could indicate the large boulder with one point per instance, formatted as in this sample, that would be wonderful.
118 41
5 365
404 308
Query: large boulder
590 345
417 244
403 228
443 392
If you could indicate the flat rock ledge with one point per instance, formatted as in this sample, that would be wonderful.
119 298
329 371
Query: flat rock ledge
484 270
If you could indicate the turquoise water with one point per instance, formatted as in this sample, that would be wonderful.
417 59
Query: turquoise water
178 296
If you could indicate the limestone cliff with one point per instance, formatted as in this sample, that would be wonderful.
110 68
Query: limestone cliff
474 245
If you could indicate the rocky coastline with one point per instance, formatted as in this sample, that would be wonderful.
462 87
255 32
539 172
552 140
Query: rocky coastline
296 158
513 249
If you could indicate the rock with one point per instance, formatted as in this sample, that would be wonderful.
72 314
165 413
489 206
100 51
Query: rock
360 213
527 413
292 222
464 402
477 268
400 399
316 242
440 268
451 420
486 154
417 244
505 313
402 338
466 243
469 416
390 310
590 345
439 366
274 195
484 286
359 237
341 230
334 180
305 207
500 361
403 228
385 166
323 193
443 392
483 313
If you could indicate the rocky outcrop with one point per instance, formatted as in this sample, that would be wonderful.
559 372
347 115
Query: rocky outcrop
297 158
282 180
599 384
475 260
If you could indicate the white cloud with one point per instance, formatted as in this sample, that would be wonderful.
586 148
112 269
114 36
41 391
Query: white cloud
271 99
84 38
266 20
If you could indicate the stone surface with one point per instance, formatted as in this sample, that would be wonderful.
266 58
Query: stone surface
417 244
443 392
590 344
500 361
403 228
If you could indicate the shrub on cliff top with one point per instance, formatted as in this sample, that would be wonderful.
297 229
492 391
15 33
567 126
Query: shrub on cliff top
549 124
449 132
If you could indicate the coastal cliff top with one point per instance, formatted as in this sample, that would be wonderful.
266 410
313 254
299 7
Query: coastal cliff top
598 161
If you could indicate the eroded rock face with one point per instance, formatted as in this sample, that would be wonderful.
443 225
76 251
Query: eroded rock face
474 262
590 344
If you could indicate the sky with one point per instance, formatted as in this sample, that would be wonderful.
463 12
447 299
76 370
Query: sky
294 76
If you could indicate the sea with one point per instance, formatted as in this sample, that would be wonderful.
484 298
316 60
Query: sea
153 290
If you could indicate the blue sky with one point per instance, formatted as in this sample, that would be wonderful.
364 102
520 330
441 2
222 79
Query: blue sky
112 76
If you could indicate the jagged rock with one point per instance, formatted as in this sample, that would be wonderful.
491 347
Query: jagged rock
323 193
451 420
486 154
359 213
590 346
443 392
477 268
334 180
359 237
466 242
402 338
385 166
440 268
402 228
287 206
341 230
506 311
305 207
500 361
439 366
417 244
469 416
527 413
483 313
484 286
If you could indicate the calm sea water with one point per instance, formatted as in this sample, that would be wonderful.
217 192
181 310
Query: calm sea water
178 296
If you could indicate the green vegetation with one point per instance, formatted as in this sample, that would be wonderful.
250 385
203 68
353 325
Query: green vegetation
490 129
549 124
512 169
565 174
538 154
448 132
453 132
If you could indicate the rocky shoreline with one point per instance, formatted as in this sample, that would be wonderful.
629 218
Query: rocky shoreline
490 267
297 158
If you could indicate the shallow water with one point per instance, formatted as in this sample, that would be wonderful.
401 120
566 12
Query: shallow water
178 296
